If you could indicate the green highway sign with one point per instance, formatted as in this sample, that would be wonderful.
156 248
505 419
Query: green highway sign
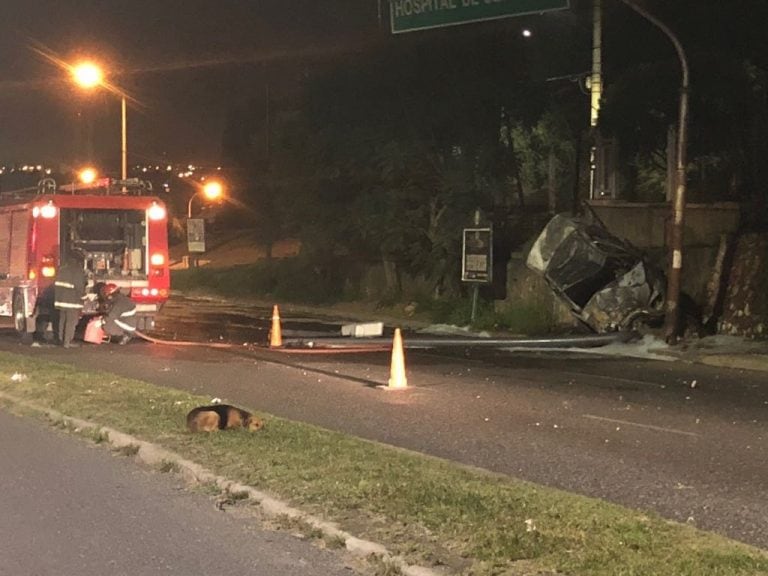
410 15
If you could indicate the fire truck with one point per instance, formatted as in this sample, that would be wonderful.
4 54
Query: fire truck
118 229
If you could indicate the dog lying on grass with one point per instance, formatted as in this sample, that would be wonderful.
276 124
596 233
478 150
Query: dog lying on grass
221 417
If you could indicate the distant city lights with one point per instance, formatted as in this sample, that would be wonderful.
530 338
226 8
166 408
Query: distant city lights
183 171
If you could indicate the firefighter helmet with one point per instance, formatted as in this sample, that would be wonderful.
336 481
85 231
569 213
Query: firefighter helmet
110 289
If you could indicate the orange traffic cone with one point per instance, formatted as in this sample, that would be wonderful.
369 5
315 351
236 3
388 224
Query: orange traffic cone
275 334
397 377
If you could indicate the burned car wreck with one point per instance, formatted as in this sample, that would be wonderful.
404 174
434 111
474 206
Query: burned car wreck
608 284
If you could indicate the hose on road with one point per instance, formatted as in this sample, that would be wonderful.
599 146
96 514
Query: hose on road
311 350
184 342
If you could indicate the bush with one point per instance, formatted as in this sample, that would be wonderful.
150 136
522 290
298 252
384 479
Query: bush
291 280
526 318
303 280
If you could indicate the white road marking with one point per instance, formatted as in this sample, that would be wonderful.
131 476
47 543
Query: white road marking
647 426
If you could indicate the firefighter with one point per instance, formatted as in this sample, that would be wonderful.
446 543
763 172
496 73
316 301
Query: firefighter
120 318
69 291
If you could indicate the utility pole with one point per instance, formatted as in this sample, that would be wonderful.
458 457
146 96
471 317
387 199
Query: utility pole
674 276
595 88
123 138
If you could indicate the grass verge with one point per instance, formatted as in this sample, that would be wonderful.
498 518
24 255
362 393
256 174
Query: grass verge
429 511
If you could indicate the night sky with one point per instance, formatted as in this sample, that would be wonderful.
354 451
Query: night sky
186 63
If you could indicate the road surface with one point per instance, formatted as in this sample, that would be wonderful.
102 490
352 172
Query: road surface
685 441
69 507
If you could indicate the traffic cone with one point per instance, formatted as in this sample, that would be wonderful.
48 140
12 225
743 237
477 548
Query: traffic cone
397 377
275 334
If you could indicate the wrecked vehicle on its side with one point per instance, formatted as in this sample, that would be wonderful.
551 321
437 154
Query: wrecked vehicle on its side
608 284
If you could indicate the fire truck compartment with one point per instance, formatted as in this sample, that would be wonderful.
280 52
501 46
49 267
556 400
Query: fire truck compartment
112 242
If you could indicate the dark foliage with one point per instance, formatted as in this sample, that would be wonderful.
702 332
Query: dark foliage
385 153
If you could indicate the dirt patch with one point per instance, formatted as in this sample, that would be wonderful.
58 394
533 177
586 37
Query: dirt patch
226 249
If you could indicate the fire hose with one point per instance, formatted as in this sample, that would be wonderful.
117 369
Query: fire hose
94 334
183 342
310 350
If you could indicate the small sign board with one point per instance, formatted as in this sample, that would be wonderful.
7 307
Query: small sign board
195 235
477 255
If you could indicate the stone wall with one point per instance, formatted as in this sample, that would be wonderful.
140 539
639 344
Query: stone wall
528 288
644 225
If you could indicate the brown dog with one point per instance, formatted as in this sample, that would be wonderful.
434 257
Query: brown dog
221 417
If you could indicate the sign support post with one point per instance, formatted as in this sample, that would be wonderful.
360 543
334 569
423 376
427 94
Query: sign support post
477 259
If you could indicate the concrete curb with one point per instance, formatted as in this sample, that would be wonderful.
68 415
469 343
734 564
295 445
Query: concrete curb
193 473
739 362
754 362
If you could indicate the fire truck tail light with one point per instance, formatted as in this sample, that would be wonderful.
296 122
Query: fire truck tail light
48 211
32 274
157 259
150 292
48 266
156 212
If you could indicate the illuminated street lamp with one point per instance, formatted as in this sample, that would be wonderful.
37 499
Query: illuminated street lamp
89 75
212 191
88 175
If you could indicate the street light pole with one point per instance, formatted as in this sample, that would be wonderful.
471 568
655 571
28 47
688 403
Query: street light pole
124 139
212 190
192 258
89 75
674 277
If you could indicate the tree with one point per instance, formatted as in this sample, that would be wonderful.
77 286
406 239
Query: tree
728 54
386 154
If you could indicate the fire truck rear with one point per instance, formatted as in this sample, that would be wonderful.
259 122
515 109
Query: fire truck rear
117 228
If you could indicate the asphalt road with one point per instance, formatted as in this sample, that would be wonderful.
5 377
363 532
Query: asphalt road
69 507
685 441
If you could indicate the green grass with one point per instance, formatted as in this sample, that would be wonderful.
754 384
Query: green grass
430 511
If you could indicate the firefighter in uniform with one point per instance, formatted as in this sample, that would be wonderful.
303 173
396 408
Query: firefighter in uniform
69 291
120 318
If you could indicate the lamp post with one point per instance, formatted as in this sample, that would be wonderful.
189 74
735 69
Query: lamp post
212 190
674 278
89 75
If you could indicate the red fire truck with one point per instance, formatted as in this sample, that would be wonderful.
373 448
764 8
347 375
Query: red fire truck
118 228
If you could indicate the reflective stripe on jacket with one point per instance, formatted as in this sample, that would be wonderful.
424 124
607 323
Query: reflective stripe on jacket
69 288
122 312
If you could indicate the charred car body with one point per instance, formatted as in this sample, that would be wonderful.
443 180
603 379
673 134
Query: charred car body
607 283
